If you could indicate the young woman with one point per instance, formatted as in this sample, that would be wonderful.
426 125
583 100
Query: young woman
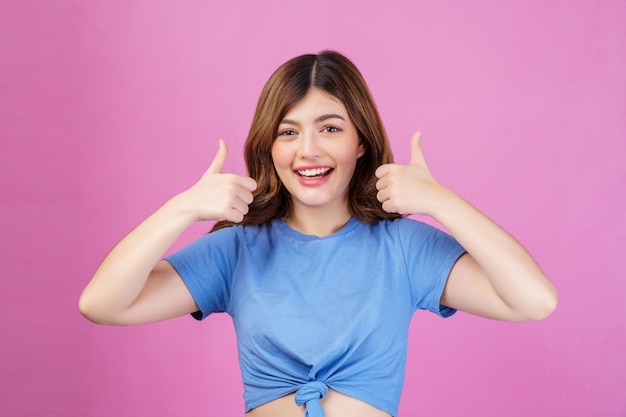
311 255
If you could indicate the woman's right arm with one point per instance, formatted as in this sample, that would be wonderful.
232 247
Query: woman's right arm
133 285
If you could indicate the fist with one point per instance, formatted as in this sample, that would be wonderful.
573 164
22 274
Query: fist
220 196
407 189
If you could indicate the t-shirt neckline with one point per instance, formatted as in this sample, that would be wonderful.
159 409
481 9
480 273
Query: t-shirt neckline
286 229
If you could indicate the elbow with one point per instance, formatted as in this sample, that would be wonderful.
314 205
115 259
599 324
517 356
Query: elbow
90 310
86 309
542 312
543 306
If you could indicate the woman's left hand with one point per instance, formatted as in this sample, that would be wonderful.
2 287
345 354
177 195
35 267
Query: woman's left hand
497 278
409 189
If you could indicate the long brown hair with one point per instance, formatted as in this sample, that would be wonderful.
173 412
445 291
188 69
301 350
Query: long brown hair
335 74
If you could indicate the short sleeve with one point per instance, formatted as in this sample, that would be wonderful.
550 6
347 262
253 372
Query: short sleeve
429 255
205 267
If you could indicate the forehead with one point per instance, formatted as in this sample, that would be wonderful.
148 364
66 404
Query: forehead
315 103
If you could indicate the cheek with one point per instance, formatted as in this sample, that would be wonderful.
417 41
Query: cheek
349 156
280 157
275 155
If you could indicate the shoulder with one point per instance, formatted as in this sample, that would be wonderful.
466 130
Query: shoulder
400 227
412 236
224 240
238 231
258 237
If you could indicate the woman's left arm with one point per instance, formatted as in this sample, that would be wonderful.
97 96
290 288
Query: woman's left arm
497 278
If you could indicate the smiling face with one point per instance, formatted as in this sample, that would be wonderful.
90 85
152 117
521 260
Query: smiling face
328 78
315 153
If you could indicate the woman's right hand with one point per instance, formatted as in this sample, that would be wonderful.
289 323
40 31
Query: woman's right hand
219 196
133 285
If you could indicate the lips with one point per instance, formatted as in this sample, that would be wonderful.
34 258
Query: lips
312 173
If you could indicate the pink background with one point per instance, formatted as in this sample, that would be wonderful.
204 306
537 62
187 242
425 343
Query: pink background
108 108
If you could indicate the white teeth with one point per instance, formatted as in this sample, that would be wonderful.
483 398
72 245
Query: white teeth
313 172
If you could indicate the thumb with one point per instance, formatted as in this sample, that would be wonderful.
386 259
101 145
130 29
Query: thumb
417 156
218 160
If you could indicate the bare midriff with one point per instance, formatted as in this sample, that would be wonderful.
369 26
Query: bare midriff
335 404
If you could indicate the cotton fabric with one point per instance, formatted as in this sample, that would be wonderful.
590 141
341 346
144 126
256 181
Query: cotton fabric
312 313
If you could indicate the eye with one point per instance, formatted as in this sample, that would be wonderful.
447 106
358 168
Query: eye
331 129
287 132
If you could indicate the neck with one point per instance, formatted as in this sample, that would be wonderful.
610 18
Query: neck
317 221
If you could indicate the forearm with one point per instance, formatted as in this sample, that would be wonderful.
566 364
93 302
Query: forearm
128 287
512 272
123 273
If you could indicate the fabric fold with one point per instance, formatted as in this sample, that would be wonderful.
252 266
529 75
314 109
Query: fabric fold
310 395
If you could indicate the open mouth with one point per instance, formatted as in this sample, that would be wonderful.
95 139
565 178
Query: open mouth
314 173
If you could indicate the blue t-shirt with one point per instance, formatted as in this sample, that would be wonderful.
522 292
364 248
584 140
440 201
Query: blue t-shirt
312 313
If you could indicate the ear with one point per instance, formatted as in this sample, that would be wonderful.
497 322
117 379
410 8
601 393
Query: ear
361 149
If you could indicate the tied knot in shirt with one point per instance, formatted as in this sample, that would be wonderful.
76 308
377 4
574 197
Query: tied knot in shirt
310 394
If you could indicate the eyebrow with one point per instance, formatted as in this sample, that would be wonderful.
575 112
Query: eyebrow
318 120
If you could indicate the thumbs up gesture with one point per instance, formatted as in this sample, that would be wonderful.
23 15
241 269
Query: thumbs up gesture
408 189
220 196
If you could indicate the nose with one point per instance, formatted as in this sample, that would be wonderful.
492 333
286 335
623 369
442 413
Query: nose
309 145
